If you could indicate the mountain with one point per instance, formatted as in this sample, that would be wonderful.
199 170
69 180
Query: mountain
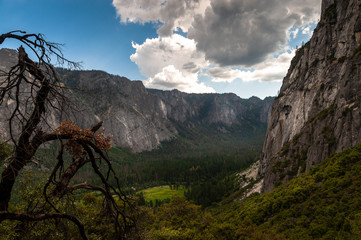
140 119
318 110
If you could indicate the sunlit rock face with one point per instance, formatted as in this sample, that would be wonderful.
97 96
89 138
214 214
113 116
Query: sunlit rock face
318 111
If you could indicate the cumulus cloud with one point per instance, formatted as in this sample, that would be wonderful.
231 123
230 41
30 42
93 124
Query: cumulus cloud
171 78
179 14
238 38
172 14
170 62
245 32
220 74
274 69
156 53
138 11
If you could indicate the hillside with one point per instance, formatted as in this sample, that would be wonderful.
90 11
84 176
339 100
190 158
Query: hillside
317 112
320 204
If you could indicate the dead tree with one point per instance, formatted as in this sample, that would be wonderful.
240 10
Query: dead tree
34 90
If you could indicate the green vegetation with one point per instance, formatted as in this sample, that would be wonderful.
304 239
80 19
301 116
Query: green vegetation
320 204
88 206
323 203
195 156
323 114
210 192
161 193
155 169
327 133
195 160
200 159
179 220
5 151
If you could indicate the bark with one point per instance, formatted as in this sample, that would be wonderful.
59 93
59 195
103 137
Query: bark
61 187
23 150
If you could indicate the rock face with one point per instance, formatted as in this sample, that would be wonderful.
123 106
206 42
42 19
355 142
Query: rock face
140 118
135 118
225 109
318 111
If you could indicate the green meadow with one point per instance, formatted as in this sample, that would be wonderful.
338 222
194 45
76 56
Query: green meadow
161 193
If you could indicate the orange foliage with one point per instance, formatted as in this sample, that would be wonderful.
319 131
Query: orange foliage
100 139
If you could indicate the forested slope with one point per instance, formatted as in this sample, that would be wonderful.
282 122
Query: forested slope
323 203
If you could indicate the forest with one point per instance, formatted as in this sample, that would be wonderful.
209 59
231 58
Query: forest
61 179
67 182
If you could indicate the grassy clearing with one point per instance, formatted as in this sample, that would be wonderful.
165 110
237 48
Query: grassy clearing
161 193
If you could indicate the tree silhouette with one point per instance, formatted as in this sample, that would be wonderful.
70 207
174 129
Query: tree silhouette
29 92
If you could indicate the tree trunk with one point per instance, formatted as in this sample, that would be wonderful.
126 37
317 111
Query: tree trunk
24 151
61 187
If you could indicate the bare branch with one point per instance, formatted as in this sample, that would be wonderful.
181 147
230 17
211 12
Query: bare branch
4 215
29 91
86 186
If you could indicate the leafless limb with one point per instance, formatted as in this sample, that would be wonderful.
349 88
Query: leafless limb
30 90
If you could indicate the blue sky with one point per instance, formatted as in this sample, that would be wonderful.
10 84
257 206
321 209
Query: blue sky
238 46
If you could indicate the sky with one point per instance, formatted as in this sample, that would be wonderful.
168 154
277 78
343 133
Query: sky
195 46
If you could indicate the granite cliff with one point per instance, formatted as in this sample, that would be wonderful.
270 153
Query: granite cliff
140 118
318 110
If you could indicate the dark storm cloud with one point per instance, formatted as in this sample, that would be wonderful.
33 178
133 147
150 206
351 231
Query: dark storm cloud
245 32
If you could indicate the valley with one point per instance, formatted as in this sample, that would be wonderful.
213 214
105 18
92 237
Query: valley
191 166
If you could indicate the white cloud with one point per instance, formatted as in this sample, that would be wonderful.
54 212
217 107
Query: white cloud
227 34
138 11
170 62
274 69
171 78
156 53
306 30
221 74
293 34
172 13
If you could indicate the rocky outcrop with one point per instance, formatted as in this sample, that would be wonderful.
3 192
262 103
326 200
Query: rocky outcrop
318 111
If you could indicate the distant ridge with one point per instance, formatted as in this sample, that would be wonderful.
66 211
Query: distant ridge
140 118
